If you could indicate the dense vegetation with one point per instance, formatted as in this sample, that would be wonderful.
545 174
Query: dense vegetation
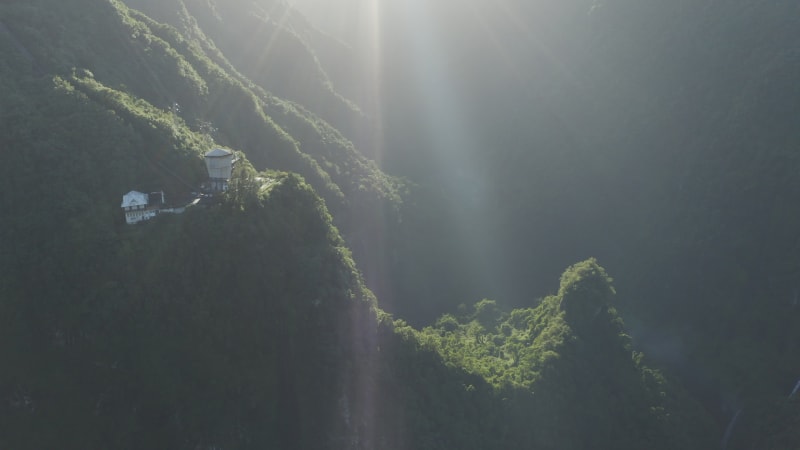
657 136
189 334
246 322
572 349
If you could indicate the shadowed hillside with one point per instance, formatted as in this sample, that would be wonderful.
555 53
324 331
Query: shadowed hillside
655 136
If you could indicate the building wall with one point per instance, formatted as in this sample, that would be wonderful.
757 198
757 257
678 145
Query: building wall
138 215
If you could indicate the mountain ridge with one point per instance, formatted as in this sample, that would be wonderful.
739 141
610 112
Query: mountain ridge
100 98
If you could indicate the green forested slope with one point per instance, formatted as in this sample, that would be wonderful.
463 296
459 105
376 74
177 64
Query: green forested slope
567 366
245 324
186 74
191 333
130 52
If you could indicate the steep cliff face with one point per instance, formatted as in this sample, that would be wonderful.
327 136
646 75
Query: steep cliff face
245 323
234 325
567 365
230 325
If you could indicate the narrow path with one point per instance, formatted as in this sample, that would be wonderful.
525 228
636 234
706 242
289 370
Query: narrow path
729 430
796 388
21 49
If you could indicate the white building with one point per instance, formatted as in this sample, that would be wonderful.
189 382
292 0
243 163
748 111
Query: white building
137 207
219 163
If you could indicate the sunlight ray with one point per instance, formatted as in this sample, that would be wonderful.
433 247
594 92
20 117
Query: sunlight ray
374 64
454 143
279 14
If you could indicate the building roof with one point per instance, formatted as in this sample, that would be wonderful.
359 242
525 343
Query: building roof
218 153
134 198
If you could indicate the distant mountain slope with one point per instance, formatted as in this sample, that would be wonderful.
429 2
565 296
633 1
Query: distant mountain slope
271 44
246 324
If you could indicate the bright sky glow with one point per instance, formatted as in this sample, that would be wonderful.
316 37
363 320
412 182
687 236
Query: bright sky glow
428 50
